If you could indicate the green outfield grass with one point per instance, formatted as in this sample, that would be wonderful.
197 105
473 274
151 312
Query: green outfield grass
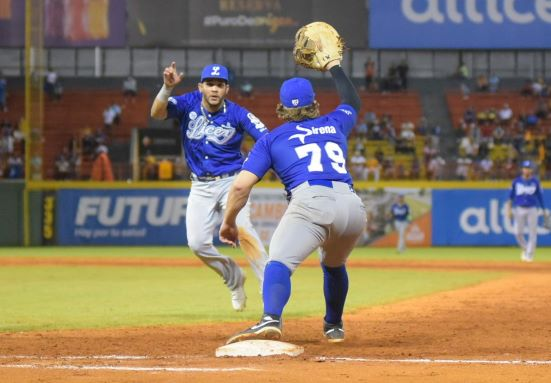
470 254
72 297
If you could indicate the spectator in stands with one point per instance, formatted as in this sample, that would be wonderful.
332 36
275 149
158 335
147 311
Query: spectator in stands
526 89
63 165
498 135
470 115
460 130
392 80
358 166
50 83
58 90
423 126
370 118
375 133
117 112
3 93
542 109
361 130
102 169
15 166
246 89
130 88
486 168
463 71
463 166
467 147
373 167
403 69
482 84
435 170
505 113
369 74
537 87
493 83
111 116
150 168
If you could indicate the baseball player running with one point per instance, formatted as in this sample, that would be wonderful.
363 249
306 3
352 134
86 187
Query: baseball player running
525 196
308 153
212 131
399 212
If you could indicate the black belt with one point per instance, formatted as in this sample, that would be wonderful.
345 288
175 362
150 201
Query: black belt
195 177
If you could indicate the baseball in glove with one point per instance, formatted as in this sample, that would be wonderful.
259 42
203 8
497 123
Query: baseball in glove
316 45
547 221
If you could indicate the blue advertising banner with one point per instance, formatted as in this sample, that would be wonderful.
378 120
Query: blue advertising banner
121 217
476 218
460 24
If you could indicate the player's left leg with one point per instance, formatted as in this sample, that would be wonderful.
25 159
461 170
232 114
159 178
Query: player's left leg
249 240
401 228
532 220
520 224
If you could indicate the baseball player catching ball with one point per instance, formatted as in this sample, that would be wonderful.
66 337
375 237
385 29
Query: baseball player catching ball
526 196
308 153
212 131
399 213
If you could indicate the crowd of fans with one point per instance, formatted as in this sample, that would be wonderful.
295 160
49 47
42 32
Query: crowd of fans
491 142
379 150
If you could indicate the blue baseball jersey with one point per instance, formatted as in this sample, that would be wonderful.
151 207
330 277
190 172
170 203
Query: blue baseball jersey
526 192
300 151
400 212
212 142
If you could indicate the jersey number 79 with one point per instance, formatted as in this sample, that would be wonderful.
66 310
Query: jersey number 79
331 149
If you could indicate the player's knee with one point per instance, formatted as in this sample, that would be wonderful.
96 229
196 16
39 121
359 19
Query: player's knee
198 245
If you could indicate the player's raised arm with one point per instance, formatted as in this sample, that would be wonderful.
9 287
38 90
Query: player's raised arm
346 90
171 78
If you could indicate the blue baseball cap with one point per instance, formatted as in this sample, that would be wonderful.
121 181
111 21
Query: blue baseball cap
527 164
215 71
296 92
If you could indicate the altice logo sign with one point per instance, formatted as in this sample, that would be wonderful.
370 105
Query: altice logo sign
475 11
490 219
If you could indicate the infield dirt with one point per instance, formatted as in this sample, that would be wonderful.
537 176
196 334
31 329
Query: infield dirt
508 319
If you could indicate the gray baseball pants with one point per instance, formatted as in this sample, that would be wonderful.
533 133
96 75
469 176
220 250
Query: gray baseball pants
331 219
205 209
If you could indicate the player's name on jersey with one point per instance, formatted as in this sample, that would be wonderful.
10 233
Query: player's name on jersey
313 130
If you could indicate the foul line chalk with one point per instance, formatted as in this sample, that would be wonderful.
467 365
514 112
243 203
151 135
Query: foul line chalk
129 368
436 361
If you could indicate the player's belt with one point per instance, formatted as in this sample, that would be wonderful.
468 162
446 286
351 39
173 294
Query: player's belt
195 177
326 183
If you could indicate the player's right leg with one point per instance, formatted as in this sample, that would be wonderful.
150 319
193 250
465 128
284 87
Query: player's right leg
344 233
401 228
520 223
201 220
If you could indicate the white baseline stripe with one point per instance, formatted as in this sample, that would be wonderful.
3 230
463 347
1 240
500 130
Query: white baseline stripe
129 368
80 357
437 361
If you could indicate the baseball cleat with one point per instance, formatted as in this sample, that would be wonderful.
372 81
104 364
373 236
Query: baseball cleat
525 257
269 327
238 296
333 332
